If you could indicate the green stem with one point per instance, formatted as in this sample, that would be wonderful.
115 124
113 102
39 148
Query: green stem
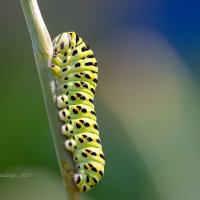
42 48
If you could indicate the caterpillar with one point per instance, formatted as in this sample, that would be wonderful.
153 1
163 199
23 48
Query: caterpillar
75 70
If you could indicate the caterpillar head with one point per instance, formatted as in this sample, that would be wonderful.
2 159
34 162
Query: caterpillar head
61 42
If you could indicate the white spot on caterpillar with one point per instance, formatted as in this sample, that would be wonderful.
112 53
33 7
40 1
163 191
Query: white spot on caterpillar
70 144
63 114
61 101
77 178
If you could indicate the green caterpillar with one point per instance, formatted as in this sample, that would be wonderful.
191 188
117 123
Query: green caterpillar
75 70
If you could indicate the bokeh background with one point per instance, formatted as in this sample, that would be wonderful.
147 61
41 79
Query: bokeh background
147 99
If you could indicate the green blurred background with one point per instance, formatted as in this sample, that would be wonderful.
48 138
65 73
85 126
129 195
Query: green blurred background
147 99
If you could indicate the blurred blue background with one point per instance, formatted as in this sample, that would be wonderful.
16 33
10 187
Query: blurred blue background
147 99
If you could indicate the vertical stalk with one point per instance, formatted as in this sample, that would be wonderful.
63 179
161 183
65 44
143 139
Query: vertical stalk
42 48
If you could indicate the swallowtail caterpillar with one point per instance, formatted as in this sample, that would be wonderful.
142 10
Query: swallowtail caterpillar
75 70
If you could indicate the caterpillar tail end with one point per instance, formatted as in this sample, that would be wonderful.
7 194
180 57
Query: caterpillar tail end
79 180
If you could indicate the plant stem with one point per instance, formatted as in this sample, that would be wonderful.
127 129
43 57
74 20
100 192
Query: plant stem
42 48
